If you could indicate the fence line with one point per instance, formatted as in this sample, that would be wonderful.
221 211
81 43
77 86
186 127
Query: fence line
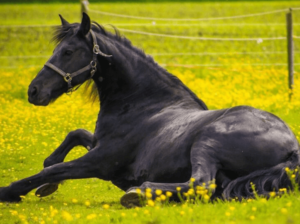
178 65
186 19
26 26
258 39
26 56
200 24
223 65
162 24
166 54
218 53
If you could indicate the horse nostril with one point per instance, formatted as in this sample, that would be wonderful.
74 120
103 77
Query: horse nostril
33 91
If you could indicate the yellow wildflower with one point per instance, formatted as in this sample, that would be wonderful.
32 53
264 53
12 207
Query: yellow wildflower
284 210
213 186
66 215
148 195
158 192
191 192
91 216
163 197
105 206
282 190
151 203
206 197
169 194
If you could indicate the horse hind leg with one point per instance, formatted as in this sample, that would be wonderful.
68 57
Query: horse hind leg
204 170
74 138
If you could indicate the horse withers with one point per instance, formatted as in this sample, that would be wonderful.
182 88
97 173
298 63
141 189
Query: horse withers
152 131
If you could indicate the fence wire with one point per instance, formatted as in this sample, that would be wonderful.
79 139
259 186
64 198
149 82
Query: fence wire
258 40
186 19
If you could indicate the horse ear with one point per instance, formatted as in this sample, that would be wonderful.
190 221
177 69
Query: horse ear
85 25
63 21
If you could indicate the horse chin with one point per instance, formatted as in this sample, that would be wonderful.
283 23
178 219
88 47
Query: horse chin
40 101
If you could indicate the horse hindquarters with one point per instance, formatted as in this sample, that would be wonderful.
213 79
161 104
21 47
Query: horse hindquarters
250 145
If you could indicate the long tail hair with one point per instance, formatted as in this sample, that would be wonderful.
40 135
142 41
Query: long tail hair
264 181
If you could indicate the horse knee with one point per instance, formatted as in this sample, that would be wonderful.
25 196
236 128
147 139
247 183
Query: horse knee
81 137
74 135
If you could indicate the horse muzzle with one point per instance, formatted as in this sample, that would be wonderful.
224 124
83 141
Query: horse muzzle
38 97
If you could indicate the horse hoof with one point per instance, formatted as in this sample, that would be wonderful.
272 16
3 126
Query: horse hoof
46 189
7 196
132 199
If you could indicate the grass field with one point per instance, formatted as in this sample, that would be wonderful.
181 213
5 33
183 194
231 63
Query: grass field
222 73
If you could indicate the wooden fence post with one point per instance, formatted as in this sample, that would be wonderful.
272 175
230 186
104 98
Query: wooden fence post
290 50
84 7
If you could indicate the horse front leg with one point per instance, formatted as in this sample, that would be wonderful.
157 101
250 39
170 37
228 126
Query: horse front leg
73 139
79 137
84 167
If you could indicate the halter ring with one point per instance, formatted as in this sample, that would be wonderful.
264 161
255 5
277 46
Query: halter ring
93 64
68 77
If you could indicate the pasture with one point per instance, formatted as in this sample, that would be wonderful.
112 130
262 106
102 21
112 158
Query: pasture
222 73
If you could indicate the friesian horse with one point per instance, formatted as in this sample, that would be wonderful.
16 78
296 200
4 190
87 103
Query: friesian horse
152 131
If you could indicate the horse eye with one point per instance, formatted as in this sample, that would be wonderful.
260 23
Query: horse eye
68 52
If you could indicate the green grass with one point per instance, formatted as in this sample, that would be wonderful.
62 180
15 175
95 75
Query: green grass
28 134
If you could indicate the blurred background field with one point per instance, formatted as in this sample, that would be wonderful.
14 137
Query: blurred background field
222 73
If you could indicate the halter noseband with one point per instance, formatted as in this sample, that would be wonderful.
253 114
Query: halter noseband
92 65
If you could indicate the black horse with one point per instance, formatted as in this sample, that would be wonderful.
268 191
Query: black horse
152 131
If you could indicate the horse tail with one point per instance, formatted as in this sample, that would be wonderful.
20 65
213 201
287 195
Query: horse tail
264 181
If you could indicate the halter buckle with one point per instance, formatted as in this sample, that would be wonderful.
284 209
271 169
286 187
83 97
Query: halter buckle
68 77
96 49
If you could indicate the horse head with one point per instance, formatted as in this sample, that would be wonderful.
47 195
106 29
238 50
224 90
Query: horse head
74 61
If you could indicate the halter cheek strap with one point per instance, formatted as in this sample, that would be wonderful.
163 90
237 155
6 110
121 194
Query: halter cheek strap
91 66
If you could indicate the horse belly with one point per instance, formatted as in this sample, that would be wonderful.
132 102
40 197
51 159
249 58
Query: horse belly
247 139
169 163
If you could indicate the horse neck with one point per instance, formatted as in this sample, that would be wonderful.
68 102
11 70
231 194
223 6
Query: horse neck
131 76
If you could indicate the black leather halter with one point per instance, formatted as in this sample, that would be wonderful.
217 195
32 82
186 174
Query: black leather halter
91 66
